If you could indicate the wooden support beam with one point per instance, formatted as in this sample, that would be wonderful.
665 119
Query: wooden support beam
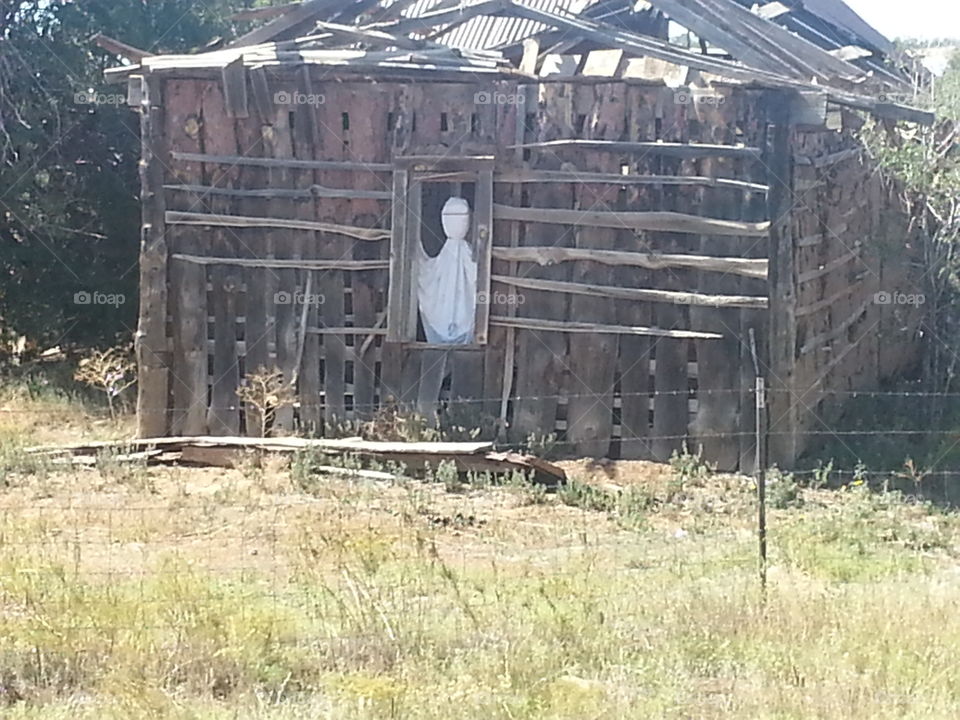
288 20
576 176
526 323
818 341
630 293
116 47
309 193
666 149
654 221
282 162
745 267
829 267
352 265
243 221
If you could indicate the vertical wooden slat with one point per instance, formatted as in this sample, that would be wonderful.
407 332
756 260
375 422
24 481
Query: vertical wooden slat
188 281
635 351
593 357
219 138
151 345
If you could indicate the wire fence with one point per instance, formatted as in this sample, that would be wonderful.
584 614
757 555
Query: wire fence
272 572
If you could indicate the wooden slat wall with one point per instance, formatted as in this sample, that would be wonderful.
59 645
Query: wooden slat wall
851 243
603 394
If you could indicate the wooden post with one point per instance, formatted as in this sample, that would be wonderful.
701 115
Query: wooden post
151 341
782 327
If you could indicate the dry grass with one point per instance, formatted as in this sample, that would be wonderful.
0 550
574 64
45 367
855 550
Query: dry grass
270 592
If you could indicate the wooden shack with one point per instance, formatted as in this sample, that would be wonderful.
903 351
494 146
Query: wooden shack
650 225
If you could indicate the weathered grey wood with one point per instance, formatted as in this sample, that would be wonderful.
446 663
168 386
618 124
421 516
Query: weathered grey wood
290 19
309 193
400 288
782 412
187 282
151 344
747 267
611 291
829 267
667 149
241 221
116 47
283 162
223 416
306 264
483 242
818 341
577 176
569 326
657 221
235 89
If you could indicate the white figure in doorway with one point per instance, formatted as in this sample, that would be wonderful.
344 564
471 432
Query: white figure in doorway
447 283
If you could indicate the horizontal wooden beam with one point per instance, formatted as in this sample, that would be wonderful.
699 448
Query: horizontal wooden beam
575 176
346 331
823 338
273 263
114 46
828 267
524 323
245 160
746 267
825 303
308 193
630 293
243 221
680 150
653 221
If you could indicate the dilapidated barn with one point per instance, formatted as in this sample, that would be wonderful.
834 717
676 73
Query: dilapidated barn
651 200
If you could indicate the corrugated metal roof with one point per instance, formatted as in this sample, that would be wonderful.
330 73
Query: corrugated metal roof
487 32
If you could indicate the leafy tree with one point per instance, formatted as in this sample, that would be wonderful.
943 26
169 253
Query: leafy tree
69 209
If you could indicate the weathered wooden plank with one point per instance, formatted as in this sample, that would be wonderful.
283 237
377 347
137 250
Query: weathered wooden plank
253 137
675 222
593 358
308 193
752 267
243 221
666 149
305 264
541 357
569 326
151 345
283 162
223 417
578 176
188 283
629 293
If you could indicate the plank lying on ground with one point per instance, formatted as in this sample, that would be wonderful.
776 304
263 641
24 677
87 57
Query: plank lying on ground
566 176
629 293
585 327
747 267
244 221
467 456
656 221
679 150
274 263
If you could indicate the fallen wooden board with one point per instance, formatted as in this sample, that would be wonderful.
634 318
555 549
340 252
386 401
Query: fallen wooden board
477 457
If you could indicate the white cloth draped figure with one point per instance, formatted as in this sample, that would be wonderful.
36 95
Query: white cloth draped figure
447 283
